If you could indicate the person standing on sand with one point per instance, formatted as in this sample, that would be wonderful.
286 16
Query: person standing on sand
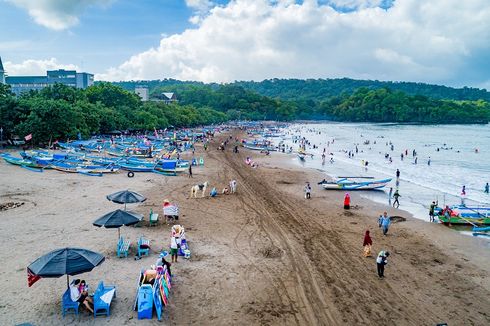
431 211
347 201
381 261
367 243
486 188
308 191
397 174
389 196
396 195
384 222
190 170
174 248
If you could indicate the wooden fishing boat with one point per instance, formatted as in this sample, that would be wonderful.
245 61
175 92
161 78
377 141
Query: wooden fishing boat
354 184
136 168
20 161
64 167
461 214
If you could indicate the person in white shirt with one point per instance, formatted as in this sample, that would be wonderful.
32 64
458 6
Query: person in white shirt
81 297
381 261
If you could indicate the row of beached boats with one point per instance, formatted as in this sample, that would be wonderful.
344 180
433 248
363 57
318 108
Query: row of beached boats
38 161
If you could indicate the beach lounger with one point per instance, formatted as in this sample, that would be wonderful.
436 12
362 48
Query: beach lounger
123 247
67 304
153 219
102 299
143 247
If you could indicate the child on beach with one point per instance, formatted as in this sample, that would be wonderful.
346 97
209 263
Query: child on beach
80 296
367 243
174 248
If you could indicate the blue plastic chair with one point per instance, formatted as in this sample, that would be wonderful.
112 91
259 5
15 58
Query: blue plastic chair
67 304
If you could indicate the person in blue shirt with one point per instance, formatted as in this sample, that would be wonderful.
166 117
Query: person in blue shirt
384 222
213 192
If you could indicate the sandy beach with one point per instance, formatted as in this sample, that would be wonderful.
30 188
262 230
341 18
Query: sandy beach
263 256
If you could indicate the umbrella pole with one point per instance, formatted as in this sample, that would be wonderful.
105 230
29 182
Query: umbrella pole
67 281
118 234
124 206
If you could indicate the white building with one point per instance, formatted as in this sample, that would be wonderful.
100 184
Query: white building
142 92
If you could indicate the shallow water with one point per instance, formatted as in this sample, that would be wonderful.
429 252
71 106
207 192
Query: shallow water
463 159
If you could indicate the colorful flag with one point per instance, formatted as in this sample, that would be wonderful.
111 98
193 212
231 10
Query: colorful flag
28 137
32 278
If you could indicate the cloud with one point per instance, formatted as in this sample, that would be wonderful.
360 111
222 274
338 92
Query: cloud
57 14
430 41
35 67
201 5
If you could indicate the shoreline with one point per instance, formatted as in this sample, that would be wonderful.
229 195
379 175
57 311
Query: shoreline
262 256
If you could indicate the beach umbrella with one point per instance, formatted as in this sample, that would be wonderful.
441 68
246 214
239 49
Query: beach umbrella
118 218
126 197
65 261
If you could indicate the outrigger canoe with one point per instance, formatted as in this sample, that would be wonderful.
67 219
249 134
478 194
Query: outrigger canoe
352 184
460 214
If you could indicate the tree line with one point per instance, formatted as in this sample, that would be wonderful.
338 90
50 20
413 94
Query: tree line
60 112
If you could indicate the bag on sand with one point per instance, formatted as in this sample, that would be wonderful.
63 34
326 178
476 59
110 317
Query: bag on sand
367 251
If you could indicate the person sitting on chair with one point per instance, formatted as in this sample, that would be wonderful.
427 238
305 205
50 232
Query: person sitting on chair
81 297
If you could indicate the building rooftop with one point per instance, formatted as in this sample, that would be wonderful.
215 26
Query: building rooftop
26 79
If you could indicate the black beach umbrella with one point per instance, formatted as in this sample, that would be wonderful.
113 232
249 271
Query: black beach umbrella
126 197
65 261
118 218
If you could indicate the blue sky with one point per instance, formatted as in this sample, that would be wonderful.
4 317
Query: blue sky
438 41
105 35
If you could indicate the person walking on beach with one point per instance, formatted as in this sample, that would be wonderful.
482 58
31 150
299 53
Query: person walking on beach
190 171
390 195
367 243
308 191
463 191
384 222
381 261
486 188
397 174
396 195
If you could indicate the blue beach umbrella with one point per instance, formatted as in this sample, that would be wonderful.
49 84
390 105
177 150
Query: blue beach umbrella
118 218
65 261
126 197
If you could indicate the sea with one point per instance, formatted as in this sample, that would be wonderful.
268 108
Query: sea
459 156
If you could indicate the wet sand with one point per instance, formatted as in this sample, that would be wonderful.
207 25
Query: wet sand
262 256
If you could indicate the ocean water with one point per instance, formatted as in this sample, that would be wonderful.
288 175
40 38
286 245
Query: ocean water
463 158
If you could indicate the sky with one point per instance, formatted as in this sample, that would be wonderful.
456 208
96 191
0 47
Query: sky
438 41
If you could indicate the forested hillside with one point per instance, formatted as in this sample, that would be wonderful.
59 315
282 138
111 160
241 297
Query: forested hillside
320 89
343 104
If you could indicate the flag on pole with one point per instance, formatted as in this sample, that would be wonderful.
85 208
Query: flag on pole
32 278
28 137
